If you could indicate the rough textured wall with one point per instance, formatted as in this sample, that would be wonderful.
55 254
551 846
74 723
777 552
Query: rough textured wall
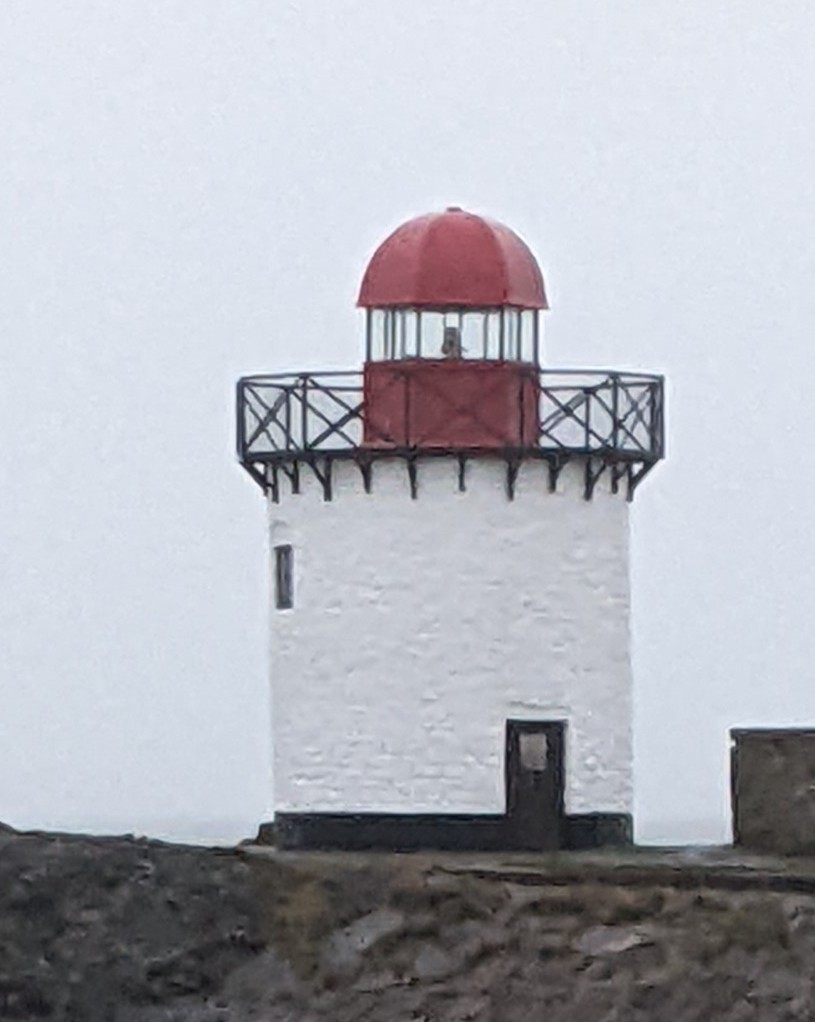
773 780
123 931
420 626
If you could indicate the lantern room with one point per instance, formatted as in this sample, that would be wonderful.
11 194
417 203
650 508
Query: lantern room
452 306
453 285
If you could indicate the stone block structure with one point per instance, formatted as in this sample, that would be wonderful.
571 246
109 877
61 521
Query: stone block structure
773 789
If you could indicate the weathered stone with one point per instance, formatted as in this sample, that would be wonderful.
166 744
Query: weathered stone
467 1008
263 980
379 981
345 948
776 985
433 963
128 931
551 944
611 940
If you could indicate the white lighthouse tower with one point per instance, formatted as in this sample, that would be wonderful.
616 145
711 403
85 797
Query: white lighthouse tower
449 534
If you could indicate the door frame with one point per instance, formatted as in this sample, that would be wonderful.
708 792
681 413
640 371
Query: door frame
534 826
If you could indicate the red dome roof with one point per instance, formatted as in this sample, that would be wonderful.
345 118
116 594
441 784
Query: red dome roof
452 259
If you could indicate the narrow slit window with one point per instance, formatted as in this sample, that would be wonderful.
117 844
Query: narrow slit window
284 576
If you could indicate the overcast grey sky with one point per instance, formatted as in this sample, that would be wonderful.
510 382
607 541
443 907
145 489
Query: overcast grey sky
190 191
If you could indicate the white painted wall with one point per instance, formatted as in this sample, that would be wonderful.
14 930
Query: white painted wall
420 626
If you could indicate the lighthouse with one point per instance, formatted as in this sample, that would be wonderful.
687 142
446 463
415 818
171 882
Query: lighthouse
449 541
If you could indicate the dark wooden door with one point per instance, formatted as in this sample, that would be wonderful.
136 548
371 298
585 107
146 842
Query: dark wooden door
534 783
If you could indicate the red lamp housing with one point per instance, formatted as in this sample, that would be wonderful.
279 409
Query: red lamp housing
452 337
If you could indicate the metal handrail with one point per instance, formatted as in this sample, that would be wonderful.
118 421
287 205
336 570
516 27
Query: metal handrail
285 416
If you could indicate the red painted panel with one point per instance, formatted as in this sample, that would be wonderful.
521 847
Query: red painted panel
430 403
453 259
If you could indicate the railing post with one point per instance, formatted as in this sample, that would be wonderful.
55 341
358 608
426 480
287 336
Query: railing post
304 411
654 422
615 411
541 398
240 424
587 420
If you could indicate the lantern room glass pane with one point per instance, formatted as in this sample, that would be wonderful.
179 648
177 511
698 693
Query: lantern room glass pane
411 345
511 321
492 334
528 327
472 333
432 334
505 334
376 334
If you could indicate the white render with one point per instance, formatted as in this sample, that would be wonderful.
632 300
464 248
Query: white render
420 626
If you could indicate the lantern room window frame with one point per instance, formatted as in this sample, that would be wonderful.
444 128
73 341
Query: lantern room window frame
506 333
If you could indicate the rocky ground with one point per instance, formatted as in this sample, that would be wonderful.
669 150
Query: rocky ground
119 930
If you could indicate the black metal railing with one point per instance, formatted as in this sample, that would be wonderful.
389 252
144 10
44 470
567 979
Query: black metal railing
299 415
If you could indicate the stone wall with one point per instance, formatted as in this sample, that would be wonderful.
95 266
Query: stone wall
773 789
116 930
419 627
